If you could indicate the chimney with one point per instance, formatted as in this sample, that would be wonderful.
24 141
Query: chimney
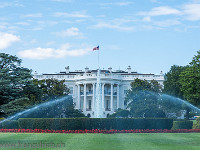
129 69
161 72
67 69
110 69
35 73
86 69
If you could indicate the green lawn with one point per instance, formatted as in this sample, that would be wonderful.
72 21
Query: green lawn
129 141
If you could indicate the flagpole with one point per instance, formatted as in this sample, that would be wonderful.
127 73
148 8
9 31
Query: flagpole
98 59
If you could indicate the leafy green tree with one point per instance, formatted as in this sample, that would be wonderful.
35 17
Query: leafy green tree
190 81
143 99
121 113
15 106
52 88
172 85
13 78
56 109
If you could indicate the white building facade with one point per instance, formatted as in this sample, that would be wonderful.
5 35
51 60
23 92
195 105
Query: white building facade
114 85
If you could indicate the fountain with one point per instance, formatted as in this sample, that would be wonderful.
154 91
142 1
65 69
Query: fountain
98 99
36 108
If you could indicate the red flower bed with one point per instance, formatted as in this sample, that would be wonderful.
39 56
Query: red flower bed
101 131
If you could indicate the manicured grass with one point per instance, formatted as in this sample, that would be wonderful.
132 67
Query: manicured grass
129 141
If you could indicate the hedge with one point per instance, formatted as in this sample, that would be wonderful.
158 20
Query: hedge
1 123
10 124
186 124
94 123
197 124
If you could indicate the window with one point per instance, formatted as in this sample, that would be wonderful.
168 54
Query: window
90 104
125 91
71 90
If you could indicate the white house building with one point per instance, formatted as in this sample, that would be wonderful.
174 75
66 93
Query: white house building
114 85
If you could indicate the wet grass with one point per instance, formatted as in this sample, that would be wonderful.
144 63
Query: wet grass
129 141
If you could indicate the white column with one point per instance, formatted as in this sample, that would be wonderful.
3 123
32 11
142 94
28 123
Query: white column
93 96
103 96
78 101
84 103
117 96
111 98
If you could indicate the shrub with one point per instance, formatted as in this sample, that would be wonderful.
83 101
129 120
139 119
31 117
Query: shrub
197 124
94 123
10 124
182 124
1 123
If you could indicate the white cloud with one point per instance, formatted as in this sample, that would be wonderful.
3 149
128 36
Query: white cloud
117 23
71 32
117 3
10 4
50 43
154 1
47 53
159 11
192 12
66 1
7 39
147 19
75 14
113 26
22 23
35 15
167 23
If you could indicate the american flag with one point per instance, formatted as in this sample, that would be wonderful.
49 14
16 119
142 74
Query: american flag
96 48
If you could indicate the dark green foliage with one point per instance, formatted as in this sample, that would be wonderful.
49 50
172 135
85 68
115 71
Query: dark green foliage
10 124
15 106
121 113
51 88
16 87
182 124
94 123
13 78
66 107
143 99
190 81
197 124
172 85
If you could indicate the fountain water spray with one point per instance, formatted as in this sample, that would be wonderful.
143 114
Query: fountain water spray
180 101
36 108
98 100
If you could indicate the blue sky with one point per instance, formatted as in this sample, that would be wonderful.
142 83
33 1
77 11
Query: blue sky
148 35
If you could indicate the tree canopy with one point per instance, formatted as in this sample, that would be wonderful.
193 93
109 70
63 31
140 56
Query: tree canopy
190 81
143 99
19 91
13 78
172 85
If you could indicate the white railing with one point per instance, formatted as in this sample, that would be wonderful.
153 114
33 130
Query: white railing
103 76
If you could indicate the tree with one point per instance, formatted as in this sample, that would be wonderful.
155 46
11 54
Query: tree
65 107
15 106
52 88
121 113
143 99
13 78
172 85
190 81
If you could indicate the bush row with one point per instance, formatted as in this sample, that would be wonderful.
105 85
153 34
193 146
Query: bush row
185 124
94 123
86 123
197 124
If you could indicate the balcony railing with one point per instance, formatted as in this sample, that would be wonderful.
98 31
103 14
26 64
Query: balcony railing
107 109
89 92
88 109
